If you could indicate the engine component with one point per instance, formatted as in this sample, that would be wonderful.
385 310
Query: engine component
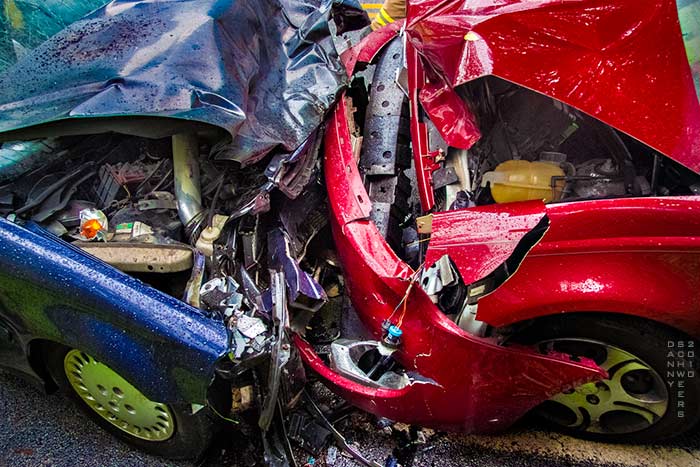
519 180
60 198
118 177
205 242
602 179
156 212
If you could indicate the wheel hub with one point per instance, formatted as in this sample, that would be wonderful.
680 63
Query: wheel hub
633 397
117 401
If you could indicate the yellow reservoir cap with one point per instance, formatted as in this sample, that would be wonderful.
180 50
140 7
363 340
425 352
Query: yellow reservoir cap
518 180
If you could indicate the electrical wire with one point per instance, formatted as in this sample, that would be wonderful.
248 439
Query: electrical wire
404 299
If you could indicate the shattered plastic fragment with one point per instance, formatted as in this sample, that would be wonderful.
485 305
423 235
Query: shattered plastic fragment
299 282
209 286
331 455
250 327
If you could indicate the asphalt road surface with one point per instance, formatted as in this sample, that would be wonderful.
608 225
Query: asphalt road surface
39 430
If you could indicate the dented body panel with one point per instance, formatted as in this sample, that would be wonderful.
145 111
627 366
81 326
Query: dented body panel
479 240
571 51
52 291
594 256
635 256
459 394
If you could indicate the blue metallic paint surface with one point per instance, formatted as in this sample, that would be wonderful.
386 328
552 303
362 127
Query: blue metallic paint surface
52 290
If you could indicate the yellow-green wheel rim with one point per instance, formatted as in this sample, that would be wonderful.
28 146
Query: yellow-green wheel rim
633 388
117 401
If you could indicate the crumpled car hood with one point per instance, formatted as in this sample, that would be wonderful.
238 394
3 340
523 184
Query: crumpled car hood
264 71
622 62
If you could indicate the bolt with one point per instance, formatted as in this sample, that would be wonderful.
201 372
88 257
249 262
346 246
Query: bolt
592 399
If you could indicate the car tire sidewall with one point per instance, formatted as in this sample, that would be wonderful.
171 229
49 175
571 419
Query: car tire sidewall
653 343
193 432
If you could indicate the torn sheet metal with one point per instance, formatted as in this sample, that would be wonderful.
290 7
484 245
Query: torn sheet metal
280 352
451 115
265 71
626 64
479 240
303 218
377 280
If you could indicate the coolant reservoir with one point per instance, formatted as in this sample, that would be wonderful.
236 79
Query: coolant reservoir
518 180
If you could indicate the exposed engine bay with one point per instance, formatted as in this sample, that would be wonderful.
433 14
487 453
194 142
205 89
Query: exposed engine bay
531 147
165 208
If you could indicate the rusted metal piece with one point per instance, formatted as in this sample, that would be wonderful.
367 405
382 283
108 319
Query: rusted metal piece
141 257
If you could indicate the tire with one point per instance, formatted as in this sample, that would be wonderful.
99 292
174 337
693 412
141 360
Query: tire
643 358
184 435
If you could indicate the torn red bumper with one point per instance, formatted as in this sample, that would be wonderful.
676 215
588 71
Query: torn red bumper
470 384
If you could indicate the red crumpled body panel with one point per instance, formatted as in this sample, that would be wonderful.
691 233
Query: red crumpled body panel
621 61
468 383
480 239
598 255
451 115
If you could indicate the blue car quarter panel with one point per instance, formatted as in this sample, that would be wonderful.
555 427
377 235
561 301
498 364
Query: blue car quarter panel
52 290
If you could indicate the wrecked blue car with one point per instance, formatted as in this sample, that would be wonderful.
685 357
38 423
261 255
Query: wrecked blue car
159 188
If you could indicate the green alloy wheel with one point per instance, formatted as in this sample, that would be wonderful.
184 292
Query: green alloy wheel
633 398
642 400
117 401
173 430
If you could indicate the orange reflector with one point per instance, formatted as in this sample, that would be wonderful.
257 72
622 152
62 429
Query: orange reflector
90 228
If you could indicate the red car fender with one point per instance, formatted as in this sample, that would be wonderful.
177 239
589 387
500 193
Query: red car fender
463 382
635 256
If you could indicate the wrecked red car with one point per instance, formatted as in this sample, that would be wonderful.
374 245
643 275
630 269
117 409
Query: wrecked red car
486 210
475 302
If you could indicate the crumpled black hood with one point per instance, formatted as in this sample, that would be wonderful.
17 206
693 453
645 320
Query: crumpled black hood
265 71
